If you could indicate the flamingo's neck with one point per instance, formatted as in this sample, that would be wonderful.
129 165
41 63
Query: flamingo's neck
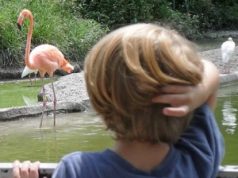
28 43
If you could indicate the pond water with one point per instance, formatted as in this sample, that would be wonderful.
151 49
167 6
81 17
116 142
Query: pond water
22 139
227 115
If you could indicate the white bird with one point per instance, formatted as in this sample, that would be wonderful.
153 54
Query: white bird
227 49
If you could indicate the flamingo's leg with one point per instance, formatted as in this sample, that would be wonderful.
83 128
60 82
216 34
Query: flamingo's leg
54 101
44 103
35 77
30 79
227 69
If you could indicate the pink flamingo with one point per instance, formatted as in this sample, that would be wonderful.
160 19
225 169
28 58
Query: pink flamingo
45 58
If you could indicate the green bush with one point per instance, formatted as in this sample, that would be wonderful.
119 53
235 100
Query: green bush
117 13
186 24
231 16
53 24
10 48
212 15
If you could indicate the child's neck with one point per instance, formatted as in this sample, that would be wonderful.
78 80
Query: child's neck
141 155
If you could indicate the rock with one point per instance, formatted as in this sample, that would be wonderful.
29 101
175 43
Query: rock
69 88
228 78
221 34
36 110
71 97
215 57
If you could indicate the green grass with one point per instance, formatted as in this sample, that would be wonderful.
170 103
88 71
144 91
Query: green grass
14 93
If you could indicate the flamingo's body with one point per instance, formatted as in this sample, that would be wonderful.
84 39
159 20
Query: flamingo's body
47 59
227 50
44 58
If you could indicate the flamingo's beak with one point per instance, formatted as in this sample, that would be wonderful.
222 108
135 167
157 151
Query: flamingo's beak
67 68
19 26
71 69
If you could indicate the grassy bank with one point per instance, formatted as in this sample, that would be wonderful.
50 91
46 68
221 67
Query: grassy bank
54 24
20 93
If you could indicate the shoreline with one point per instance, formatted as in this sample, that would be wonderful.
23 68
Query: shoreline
72 95
78 102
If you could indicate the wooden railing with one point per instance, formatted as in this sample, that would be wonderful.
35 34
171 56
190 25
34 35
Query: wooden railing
46 170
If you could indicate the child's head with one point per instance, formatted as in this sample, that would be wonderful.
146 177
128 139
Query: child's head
124 71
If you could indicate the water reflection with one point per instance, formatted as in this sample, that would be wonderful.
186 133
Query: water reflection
24 140
229 117
29 100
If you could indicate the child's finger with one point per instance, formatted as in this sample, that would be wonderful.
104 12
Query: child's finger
175 89
34 170
24 170
172 99
16 169
176 111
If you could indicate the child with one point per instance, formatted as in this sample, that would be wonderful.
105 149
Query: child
140 78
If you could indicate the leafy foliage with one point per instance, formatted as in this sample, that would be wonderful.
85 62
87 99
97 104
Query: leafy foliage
190 17
54 24
73 25
114 13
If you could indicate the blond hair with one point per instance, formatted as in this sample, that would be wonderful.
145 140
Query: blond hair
124 71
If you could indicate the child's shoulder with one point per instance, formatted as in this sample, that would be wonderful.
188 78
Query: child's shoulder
204 114
204 108
78 156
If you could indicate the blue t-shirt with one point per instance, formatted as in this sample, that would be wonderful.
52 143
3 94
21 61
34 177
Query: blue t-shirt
197 154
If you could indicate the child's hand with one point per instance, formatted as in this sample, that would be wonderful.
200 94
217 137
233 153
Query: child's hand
183 99
25 169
